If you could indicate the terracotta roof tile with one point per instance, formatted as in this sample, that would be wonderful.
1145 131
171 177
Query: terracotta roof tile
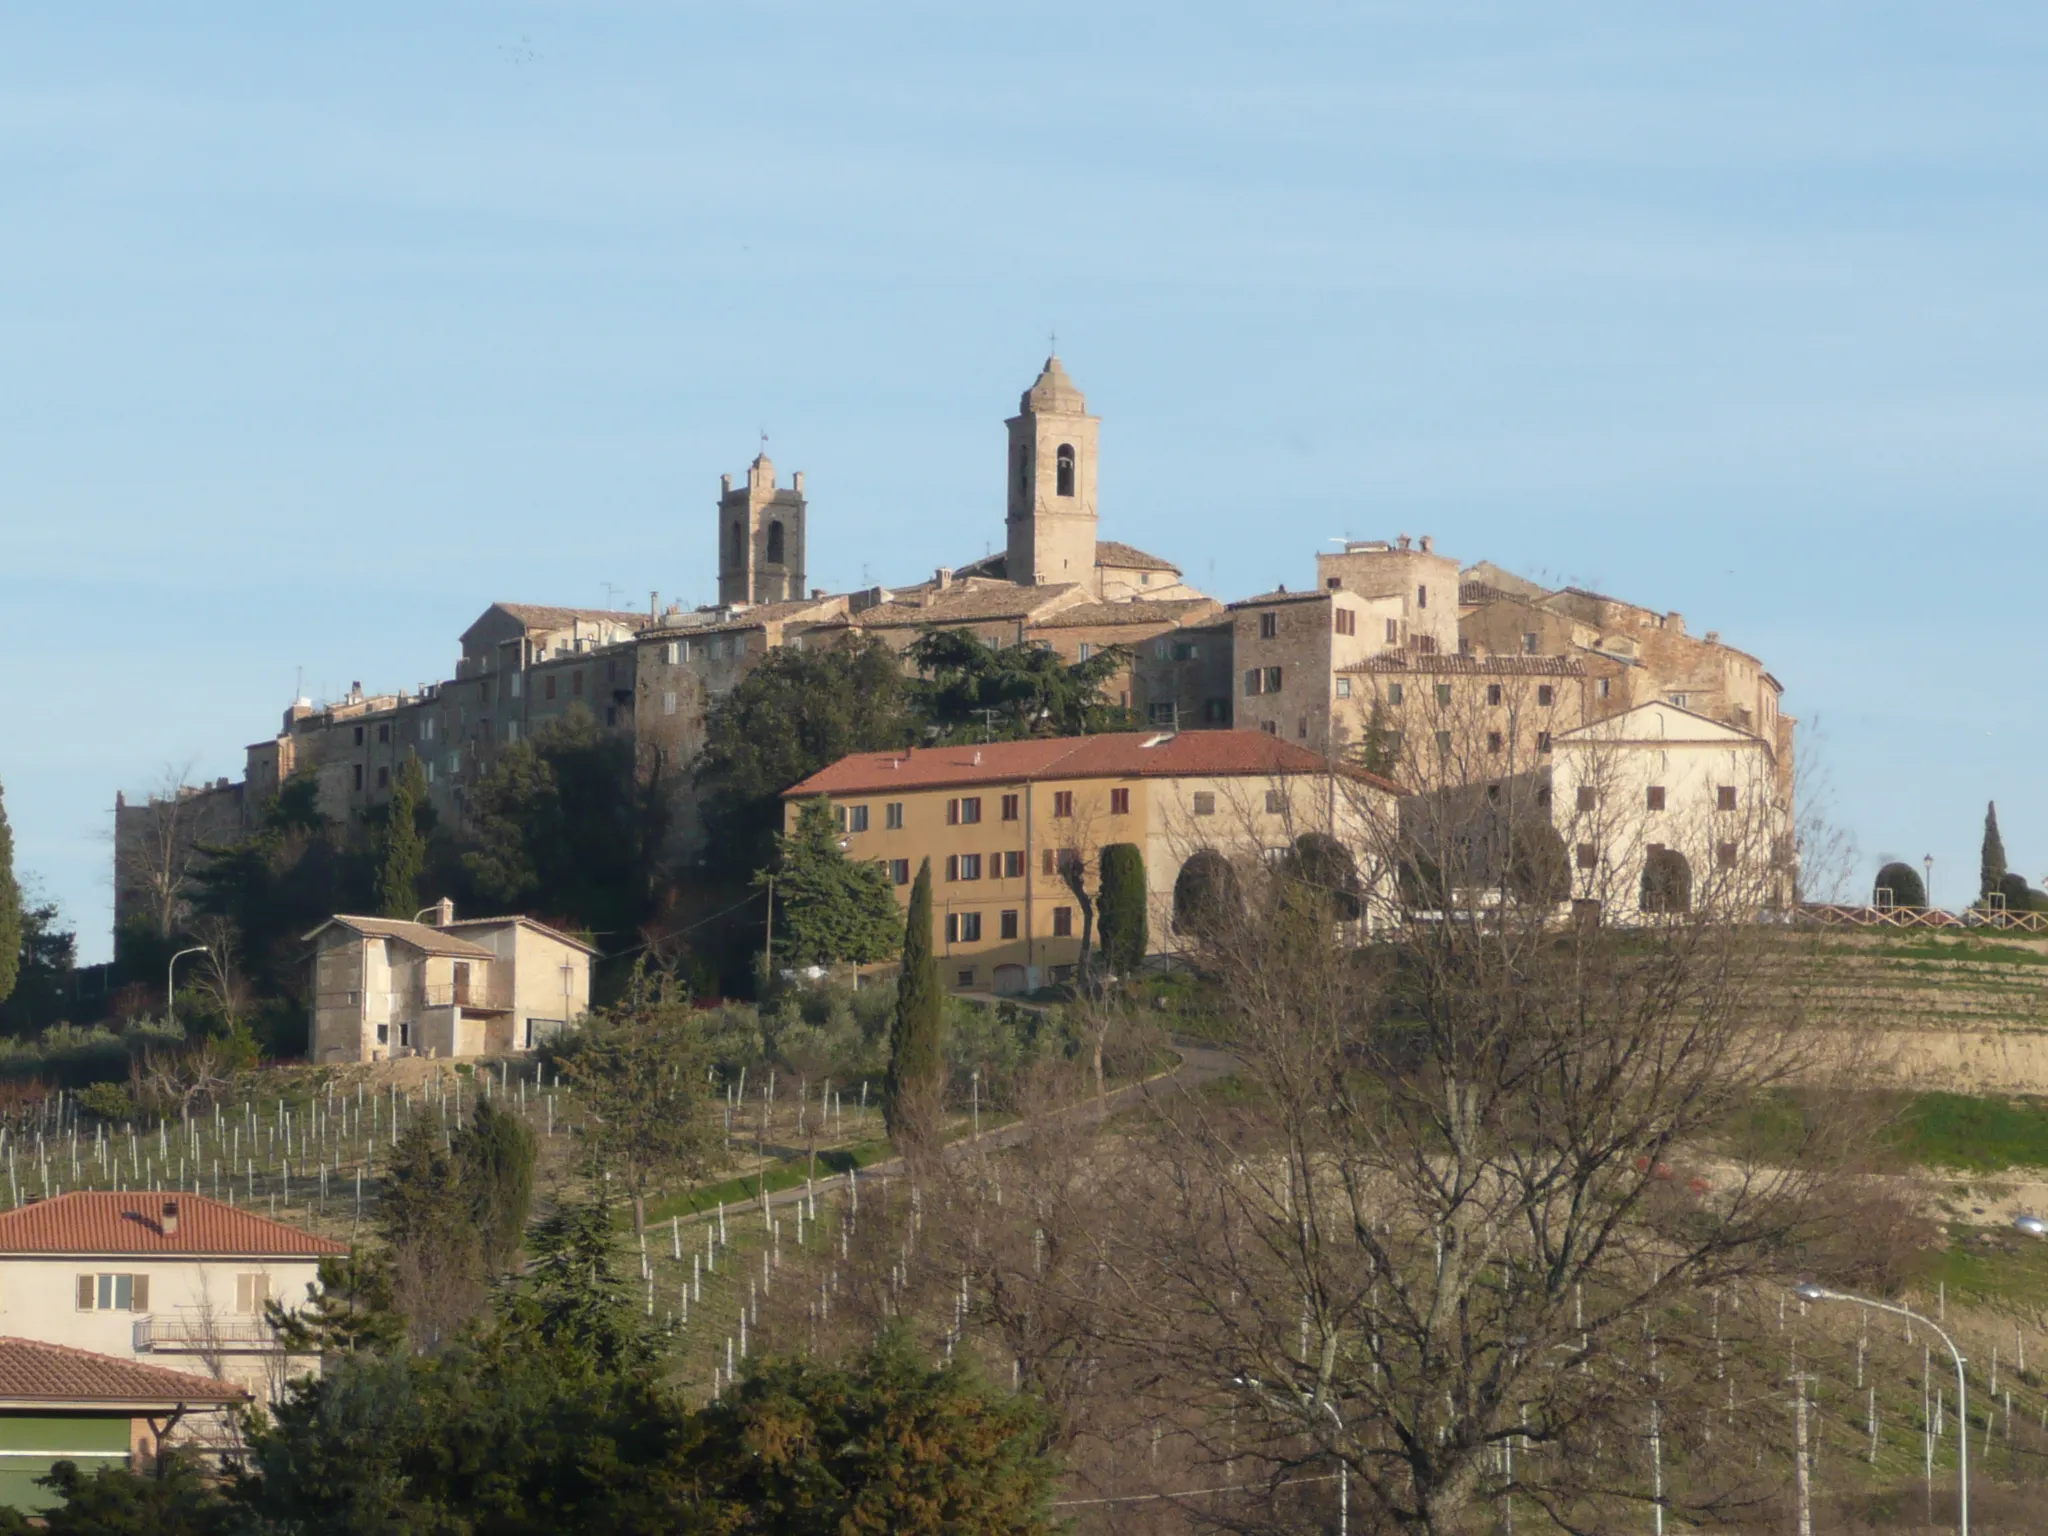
1266 599
32 1371
952 606
1482 666
542 616
1127 557
1132 754
132 1224
1173 611
431 941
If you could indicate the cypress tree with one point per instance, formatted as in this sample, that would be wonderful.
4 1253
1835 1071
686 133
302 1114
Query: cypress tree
1122 907
10 910
1992 868
912 1089
404 850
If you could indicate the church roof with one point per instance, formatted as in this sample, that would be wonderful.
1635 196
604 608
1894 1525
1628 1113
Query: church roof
953 605
1053 393
1126 557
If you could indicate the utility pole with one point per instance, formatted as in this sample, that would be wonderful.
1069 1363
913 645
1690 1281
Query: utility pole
1799 1381
768 950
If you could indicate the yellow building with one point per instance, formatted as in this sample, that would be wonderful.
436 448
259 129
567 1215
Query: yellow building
1003 821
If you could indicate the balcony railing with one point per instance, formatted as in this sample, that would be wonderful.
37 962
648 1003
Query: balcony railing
186 1334
474 994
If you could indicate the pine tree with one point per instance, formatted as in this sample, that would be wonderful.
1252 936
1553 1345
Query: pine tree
829 907
1992 868
404 851
1121 906
10 910
912 1090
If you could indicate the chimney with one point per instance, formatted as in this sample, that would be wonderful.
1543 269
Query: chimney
1428 544
1713 637
798 483
170 1220
444 912
942 578
653 604
1675 621
817 594
1403 541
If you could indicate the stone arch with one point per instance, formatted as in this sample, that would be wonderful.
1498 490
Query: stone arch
1667 881
775 545
1064 462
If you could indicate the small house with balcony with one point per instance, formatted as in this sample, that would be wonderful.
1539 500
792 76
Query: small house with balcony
486 986
176 1280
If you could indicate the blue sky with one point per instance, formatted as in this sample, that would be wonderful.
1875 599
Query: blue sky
321 329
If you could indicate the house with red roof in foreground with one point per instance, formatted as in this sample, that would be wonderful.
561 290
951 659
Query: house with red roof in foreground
167 1279
1006 823
63 1404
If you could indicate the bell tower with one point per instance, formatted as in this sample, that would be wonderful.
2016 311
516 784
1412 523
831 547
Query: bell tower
760 537
1052 520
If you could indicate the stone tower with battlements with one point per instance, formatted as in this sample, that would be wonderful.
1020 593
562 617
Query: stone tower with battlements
760 538
1052 520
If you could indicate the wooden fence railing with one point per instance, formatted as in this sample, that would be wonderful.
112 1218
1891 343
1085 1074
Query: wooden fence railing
1834 915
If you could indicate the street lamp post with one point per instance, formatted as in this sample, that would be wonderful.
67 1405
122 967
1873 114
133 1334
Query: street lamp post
1927 862
1811 1292
170 987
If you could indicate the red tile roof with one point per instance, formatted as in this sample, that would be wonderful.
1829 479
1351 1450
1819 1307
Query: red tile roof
32 1371
132 1224
1124 755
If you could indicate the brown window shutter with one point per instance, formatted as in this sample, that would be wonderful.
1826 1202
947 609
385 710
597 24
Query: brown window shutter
140 1294
85 1293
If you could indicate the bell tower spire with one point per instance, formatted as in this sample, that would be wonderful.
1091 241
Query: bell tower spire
1052 520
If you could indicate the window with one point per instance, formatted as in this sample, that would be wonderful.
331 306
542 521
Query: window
359 735
1394 693
1493 741
1119 802
1589 798
963 812
1422 597
359 775
852 818
427 729
1161 649
1216 711
1301 727
1269 626
1254 682
1530 642
1654 797
1606 686
970 929
1493 794
1270 727
1443 743
113 1293
1046 865
1008 923
1276 802
1679 699
1443 693
952 927
383 1034
1063 922
1345 622
966 975
576 683
668 703
1063 470
1205 803
1725 854
1162 713
384 776
1589 856
952 866
970 866
511 730
899 871
1272 679
1543 741
1186 650
1013 864
1010 807
892 816
611 670
547 687
1724 798
384 731
1393 631
1493 695
1343 687
775 543
1062 804
455 762
1545 695
1087 650
430 770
